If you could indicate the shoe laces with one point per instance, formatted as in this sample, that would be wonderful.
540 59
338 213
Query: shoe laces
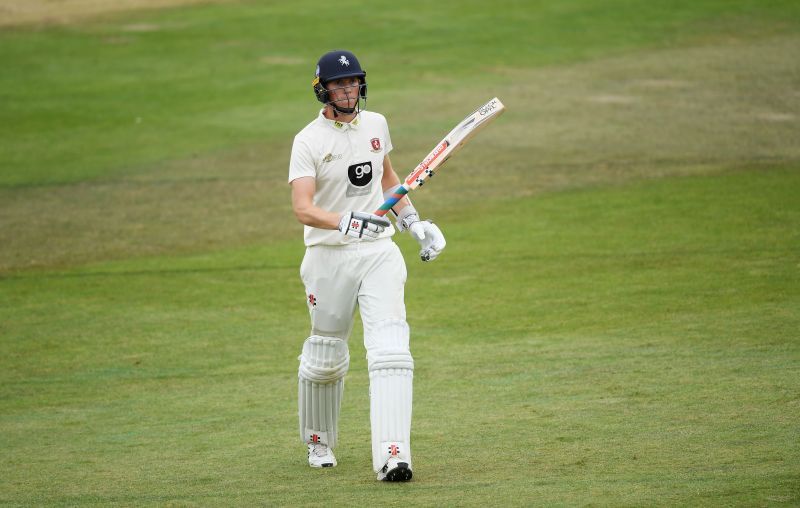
319 449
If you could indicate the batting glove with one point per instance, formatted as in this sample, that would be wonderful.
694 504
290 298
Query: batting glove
430 237
362 225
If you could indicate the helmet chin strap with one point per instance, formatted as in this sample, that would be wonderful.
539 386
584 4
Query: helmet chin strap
344 111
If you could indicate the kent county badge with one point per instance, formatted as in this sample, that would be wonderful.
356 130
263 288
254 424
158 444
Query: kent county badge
376 144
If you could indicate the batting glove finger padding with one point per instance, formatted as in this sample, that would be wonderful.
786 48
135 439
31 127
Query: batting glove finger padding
362 225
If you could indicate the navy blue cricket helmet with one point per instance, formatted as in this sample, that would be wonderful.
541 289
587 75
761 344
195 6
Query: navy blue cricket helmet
335 65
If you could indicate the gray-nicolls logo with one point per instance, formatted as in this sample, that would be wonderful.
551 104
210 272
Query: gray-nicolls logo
344 61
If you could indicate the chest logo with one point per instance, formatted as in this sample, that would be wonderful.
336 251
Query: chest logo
331 157
360 174
376 144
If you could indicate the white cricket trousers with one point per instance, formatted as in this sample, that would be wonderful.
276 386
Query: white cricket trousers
337 278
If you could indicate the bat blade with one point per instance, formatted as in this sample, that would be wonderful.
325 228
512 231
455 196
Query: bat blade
454 140
451 143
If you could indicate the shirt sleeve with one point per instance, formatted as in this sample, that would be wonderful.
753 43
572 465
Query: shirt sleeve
388 138
302 161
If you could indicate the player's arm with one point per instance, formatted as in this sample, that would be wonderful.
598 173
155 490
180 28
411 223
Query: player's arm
307 213
428 234
355 224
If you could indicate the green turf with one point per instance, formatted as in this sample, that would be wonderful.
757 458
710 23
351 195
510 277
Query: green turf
189 80
614 321
629 346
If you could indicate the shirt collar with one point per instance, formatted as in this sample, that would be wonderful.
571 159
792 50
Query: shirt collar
340 126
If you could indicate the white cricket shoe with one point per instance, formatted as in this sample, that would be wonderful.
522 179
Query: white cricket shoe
319 455
395 470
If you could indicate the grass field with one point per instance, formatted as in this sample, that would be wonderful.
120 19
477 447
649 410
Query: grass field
614 322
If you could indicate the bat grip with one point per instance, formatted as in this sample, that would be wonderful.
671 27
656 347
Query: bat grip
392 200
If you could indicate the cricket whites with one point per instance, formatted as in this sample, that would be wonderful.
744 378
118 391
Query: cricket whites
451 143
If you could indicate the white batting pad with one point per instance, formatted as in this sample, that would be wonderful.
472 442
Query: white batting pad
323 365
391 374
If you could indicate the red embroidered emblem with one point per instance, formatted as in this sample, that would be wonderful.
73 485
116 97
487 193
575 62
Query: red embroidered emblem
312 300
376 144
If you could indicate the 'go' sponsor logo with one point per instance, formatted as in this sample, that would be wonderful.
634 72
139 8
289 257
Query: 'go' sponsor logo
360 174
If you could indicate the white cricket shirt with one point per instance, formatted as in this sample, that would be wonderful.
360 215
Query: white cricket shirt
346 159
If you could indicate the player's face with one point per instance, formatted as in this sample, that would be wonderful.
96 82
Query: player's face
344 91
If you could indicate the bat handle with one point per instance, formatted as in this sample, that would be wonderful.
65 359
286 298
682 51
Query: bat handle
392 200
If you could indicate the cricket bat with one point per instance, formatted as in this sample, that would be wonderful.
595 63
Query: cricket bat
451 143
